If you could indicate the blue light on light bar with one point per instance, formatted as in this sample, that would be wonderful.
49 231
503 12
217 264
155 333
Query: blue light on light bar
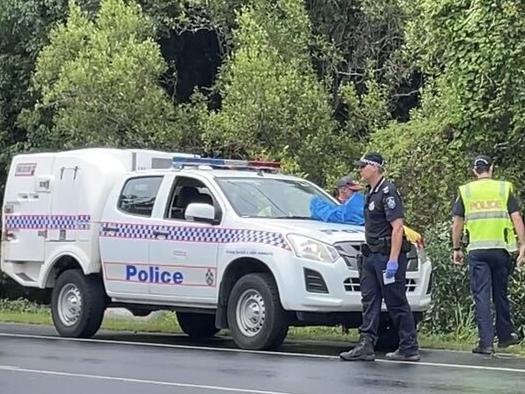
226 163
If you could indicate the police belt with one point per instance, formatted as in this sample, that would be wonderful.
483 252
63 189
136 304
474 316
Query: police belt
383 246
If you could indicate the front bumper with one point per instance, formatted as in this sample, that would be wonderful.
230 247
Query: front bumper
341 291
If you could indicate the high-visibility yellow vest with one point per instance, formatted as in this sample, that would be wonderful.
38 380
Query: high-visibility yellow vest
487 219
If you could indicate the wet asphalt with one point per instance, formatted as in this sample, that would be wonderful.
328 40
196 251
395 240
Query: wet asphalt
33 359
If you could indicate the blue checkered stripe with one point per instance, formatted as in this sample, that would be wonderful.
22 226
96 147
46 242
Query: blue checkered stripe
127 230
193 234
83 222
47 222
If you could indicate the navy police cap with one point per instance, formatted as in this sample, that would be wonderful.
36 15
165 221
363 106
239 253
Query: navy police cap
373 159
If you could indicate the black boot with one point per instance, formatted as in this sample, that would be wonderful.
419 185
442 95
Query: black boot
363 351
513 339
398 355
488 350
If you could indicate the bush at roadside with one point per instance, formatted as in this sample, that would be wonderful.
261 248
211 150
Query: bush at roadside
9 289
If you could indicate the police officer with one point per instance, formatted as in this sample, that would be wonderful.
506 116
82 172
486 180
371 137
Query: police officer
384 266
490 213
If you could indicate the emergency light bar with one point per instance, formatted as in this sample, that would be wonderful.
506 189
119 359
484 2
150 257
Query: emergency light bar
180 162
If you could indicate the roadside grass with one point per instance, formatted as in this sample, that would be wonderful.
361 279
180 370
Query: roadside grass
25 312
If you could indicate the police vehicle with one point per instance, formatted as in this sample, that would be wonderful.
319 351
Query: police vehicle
225 244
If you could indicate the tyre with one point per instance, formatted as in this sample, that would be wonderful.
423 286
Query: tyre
197 325
388 339
140 312
78 303
255 315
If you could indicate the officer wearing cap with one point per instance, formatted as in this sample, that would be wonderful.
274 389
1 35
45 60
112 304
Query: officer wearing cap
384 266
351 210
488 210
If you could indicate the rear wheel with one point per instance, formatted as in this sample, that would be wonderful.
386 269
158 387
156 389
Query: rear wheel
78 303
388 339
388 336
255 315
139 312
197 325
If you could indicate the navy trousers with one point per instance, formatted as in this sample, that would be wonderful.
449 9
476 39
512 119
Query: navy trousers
489 276
373 290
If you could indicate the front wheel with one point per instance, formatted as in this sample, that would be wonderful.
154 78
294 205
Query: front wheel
255 315
78 303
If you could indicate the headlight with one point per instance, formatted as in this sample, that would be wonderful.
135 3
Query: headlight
415 257
312 249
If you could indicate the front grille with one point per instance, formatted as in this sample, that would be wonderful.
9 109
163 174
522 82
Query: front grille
410 285
349 251
353 285
314 282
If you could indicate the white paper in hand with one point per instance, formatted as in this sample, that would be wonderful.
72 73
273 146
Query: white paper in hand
388 281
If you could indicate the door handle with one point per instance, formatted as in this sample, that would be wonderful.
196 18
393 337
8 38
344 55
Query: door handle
158 233
8 236
42 233
110 229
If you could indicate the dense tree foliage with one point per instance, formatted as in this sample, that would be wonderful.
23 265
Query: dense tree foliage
272 103
99 81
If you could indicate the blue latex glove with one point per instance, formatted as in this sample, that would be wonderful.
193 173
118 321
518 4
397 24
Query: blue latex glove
391 268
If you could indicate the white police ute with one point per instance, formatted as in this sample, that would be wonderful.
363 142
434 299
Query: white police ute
226 244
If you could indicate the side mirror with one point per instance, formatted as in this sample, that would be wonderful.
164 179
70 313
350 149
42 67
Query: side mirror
199 212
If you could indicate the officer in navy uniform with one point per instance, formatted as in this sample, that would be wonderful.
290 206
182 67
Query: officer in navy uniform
488 210
384 267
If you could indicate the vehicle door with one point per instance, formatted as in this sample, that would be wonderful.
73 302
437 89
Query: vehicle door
26 210
183 253
125 237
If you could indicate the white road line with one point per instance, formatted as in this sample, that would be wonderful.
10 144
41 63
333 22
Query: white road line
271 353
165 345
9 368
458 366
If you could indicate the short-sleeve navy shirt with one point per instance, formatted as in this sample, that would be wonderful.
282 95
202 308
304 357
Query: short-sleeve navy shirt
383 205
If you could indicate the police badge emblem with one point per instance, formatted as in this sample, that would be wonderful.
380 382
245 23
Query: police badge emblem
391 202
371 206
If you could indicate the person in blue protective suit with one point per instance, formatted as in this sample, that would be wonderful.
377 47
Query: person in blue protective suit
351 210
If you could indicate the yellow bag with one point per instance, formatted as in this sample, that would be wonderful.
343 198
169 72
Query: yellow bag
412 236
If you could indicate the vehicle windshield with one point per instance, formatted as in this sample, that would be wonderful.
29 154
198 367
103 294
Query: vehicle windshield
271 198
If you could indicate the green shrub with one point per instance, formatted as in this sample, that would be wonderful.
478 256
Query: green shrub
20 305
451 300
9 289
517 300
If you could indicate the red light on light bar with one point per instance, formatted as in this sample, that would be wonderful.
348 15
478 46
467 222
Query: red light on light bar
264 164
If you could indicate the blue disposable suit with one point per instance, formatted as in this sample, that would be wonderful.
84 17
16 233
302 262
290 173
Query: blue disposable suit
351 212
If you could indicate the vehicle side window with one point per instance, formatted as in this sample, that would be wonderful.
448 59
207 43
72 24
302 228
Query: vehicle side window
186 191
138 195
